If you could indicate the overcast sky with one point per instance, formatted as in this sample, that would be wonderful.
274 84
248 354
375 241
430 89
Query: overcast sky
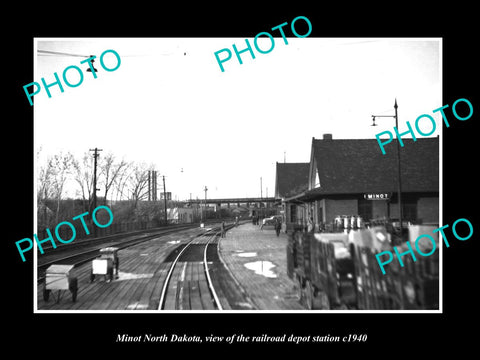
169 104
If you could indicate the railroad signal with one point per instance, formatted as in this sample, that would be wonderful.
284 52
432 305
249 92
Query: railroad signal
92 67
37 87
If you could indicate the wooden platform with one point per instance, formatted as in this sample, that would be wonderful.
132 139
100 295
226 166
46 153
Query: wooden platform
142 271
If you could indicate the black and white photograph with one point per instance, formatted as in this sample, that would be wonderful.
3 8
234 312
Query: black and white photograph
275 182
138 211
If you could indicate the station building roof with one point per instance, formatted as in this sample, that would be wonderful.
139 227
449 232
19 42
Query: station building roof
352 166
291 179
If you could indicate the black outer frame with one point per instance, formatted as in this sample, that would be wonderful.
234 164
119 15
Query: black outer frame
405 332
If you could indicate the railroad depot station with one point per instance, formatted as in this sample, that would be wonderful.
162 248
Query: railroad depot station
353 178
336 211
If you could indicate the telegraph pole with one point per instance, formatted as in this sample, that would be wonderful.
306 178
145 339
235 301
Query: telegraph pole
149 187
95 156
205 207
165 199
261 188
154 185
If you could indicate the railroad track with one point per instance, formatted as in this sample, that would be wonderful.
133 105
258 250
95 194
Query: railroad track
86 251
184 274
188 284
81 243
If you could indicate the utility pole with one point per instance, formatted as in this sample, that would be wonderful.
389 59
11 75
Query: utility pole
154 185
149 186
205 207
165 199
155 198
94 195
400 207
399 174
266 204
95 156
261 188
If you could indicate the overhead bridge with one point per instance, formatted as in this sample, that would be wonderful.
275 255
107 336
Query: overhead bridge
237 201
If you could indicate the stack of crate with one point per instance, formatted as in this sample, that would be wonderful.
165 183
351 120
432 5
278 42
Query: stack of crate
323 272
336 271
413 286
375 291
298 255
420 278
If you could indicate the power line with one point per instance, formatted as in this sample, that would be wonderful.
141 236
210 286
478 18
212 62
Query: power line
59 53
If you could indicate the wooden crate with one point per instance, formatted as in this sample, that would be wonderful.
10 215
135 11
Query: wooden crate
420 281
57 277
323 270
413 286
290 255
329 272
305 255
296 255
374 290
101 266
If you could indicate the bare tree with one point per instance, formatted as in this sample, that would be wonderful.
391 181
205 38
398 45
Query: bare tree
83 175
44 192
111 171
138 183
60 166
44 183
120 182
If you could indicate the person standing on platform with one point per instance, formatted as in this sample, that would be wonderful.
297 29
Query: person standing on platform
278 226
222 229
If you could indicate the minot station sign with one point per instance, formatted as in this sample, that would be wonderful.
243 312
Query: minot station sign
377 196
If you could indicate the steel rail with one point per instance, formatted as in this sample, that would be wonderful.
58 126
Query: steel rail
207 273
88 241
166 283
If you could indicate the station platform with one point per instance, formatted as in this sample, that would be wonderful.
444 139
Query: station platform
142 271
254 258
257 260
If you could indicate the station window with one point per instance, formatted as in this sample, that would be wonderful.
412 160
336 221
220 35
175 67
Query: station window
365 209
320 215
293 213
409 209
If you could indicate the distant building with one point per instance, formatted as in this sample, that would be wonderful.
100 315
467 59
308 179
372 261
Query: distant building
181 215
290 179
353 177
167 195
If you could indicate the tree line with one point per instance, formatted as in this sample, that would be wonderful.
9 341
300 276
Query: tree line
65 187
